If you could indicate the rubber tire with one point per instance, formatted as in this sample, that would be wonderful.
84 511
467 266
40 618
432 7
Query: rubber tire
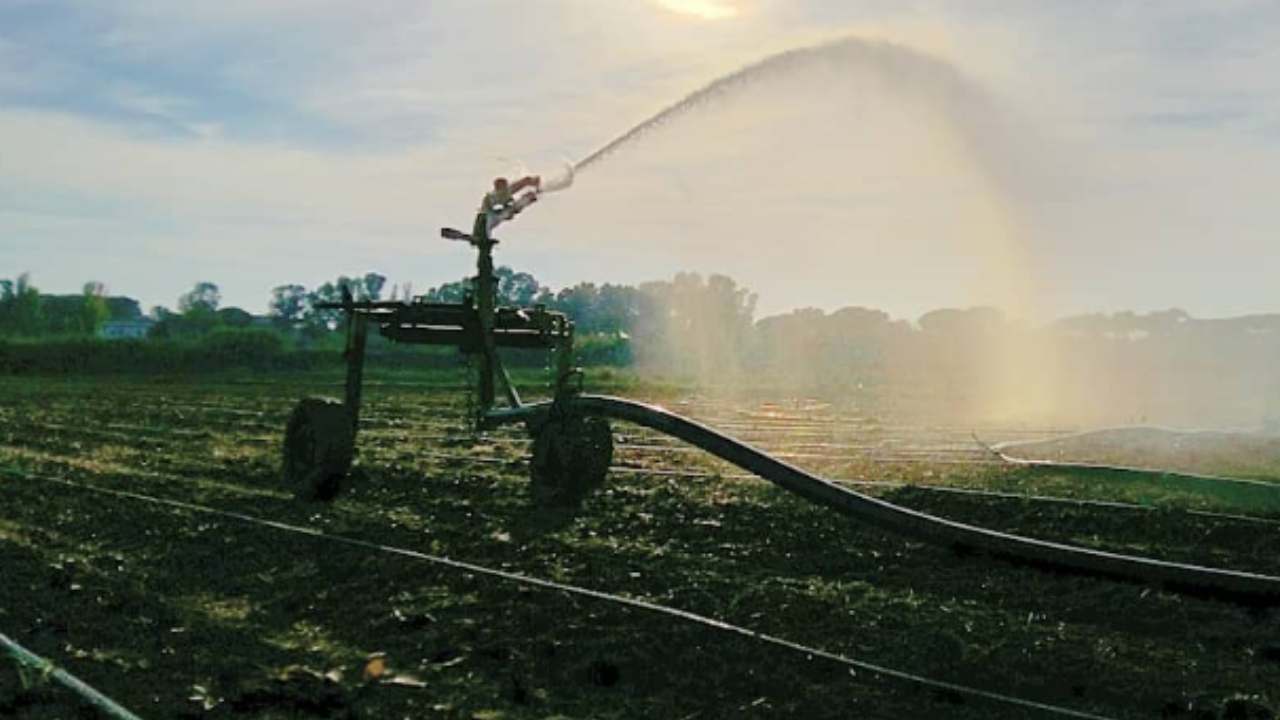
571 457
318 448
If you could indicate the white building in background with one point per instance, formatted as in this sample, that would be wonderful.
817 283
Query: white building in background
121 329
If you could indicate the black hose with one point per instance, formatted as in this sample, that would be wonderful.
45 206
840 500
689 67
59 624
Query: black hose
1236 585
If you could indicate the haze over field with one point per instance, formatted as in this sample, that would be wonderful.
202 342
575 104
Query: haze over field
1106 157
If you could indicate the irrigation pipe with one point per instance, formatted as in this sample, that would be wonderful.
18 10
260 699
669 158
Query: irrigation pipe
1103 467
1180 577
852 663
27 659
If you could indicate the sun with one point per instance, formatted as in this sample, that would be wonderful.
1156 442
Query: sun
704 9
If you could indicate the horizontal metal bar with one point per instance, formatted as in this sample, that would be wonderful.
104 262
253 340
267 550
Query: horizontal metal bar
468 338
451 314
362 305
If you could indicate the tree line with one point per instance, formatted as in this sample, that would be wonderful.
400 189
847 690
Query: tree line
693 324
26 312
713 311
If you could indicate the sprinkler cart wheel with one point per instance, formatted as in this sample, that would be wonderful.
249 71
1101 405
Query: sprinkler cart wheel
571 456
318 448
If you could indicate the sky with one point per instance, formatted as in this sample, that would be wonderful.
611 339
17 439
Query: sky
1126 154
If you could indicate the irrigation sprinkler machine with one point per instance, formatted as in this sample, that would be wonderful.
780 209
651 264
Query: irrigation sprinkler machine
572 448
572 441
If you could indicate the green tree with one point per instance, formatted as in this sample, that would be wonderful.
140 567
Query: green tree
234 317
93 307
288 304
452 292
616 309
165 319
971 324
321 320
205 296
61 314
19 306
516 288
370 287
124 308
197 317
694 324
366 288
579 303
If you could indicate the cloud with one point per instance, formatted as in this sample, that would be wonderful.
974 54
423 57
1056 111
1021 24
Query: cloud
214 179
268 126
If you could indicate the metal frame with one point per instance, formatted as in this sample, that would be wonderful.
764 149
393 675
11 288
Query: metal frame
476 326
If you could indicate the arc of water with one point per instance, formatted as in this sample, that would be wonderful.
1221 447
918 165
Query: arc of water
905 61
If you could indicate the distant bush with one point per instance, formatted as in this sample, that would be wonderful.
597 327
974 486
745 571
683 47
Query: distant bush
610 349
232 347
263 349
76 355
222 349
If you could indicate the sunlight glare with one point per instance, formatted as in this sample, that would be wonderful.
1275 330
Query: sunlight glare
704 9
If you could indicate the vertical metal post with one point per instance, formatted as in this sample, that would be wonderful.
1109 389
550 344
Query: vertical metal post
357 333
564 359
485 297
